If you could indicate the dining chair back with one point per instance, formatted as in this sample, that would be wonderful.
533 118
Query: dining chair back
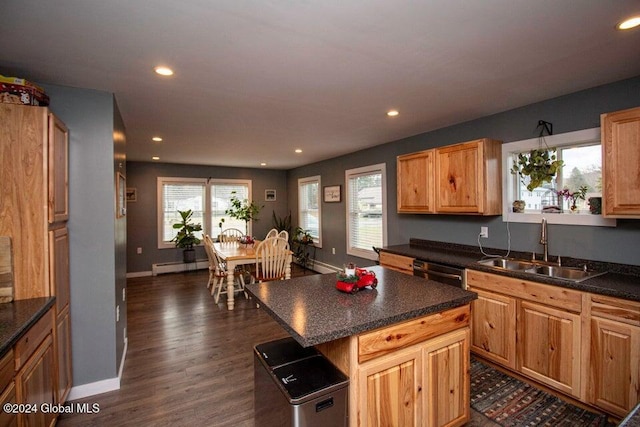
272 233
218 272
272 256
231 235
284 234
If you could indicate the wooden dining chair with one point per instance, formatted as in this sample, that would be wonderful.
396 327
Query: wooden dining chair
231 235
284 234
218 273
272 233
272 257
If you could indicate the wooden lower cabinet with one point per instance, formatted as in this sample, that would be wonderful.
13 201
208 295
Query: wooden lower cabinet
35 385
8 396
549 346
391 390
614 367
400 263
493 326
63 349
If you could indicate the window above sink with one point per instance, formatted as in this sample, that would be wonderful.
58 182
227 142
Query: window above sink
581 152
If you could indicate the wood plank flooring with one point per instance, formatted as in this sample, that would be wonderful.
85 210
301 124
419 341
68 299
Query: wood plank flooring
189 361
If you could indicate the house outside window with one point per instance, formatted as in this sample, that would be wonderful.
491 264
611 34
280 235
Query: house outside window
366 210
207 198
309 207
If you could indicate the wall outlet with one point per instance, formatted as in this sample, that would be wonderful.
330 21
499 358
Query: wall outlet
484 232
139 251
333 251
117 313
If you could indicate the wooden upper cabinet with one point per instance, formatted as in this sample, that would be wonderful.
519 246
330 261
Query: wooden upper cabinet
58 170
620 160
415 182
468 179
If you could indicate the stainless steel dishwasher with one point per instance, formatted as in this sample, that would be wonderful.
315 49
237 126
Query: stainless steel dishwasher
447 274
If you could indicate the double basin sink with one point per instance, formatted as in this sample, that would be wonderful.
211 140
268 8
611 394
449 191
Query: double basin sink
540 268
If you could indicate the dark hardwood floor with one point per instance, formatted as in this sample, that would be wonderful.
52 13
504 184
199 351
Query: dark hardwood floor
189 361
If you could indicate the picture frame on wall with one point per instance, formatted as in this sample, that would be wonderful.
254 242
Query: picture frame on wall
132 195
270 195
332 194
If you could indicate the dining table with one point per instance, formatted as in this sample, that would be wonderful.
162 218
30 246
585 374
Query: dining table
235 254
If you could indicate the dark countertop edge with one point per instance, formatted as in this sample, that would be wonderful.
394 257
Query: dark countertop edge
632 419
20 330
617 282
364 327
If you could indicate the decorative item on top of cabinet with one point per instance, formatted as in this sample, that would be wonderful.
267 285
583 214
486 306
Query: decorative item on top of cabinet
468 178
416 182
620 160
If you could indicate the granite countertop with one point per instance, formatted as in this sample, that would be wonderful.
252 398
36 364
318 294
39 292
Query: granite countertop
632 419
621 281
18 316
313 311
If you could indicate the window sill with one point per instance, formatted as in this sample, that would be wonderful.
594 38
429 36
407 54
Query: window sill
563 219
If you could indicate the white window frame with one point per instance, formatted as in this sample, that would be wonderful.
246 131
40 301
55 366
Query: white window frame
207 227
510 181
317 240
366 170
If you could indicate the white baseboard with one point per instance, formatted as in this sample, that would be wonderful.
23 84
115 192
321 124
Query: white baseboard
99 387
323 268
177 267
139 274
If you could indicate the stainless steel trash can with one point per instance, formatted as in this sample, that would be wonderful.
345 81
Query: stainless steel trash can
297 387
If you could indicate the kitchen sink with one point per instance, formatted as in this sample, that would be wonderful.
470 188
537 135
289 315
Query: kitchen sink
540 268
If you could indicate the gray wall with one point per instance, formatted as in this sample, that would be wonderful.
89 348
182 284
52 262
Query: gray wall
142 214
89 115
568 113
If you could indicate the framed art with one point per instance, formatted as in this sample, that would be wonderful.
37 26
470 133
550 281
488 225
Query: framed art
332 194
121 199
270 195
132 195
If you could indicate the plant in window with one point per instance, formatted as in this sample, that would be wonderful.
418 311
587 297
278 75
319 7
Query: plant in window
573 196
302 239
539 165
185 238
243 210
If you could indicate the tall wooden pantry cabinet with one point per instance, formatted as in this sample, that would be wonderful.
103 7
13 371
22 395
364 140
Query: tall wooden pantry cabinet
34 209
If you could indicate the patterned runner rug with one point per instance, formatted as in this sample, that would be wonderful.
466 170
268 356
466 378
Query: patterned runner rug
512 403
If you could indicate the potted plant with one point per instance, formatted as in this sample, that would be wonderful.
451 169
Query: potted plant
282 224
302 239
185 238
243 210
539 165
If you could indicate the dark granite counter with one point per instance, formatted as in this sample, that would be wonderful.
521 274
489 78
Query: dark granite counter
621 281
633 419
18 316
313 311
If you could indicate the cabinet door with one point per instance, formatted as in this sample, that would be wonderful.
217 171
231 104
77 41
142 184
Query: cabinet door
35 385
396 262
614 380
549 346
459 178
493 325
59 266
415 182
390 390
446 380
63 350
8 396
620 160
58 170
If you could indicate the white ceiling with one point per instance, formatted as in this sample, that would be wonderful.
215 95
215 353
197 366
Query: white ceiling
256 79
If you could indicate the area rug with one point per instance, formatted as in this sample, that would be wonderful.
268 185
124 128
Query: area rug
512 403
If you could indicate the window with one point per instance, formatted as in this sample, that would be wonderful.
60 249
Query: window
207 198
309 211
366 210
582 155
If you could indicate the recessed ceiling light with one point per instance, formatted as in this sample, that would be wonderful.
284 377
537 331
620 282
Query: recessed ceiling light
298 150
630 23
155 158
156 139
164 71
263 164
392 113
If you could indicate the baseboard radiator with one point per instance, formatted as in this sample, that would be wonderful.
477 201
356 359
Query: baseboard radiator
178 267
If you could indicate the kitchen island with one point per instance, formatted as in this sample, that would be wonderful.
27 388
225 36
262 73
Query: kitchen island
404 344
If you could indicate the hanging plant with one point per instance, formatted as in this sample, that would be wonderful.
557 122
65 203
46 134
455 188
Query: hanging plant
539 165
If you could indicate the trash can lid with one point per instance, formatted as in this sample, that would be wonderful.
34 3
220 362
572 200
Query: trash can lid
280 352
308 378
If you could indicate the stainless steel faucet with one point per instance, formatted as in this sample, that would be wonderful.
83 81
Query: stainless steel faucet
544 240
